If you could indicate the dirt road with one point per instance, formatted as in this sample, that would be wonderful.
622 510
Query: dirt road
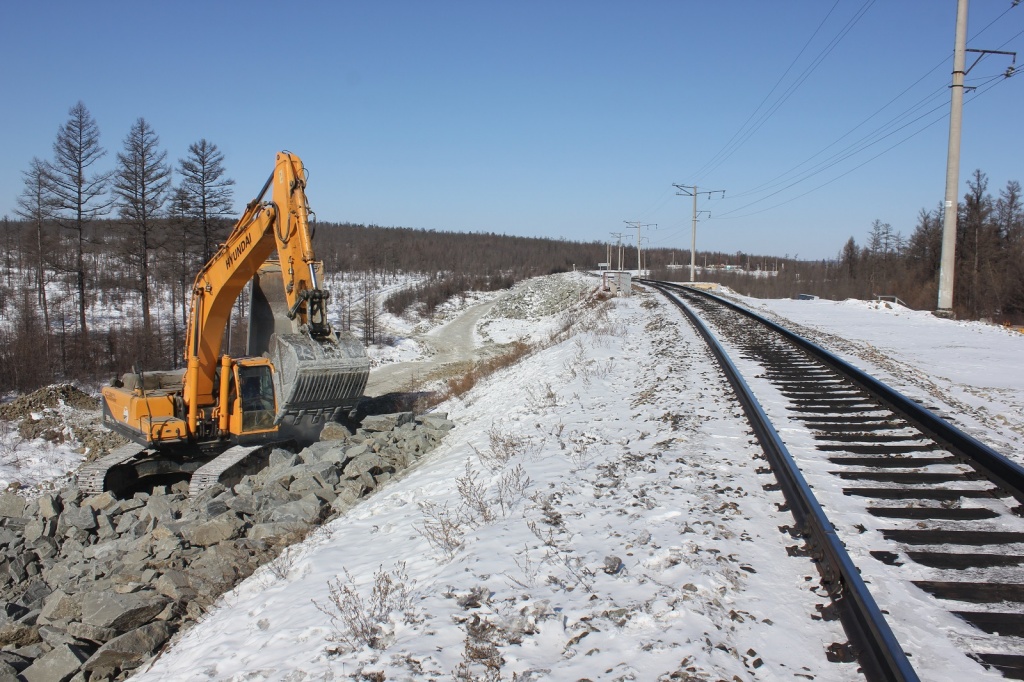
450 344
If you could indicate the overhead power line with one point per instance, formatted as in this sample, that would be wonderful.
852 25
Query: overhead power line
876 136
981 90
748 129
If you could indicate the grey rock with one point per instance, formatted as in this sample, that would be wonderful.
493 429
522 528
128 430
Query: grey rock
8 673
123 506
282 459
386 422
19 663
60 606
163 507
224 527
371 462
612 565
12 505
8 537
126 522
45 547
274 494
131 649
436 421
49 506
333 432
121 612
12 611
357 451
308 510
308 483
38 528
209 510
175 585
102 502
56 636
56 666
82 518
90 633
105 526
32 651
276 532
346 499
243 504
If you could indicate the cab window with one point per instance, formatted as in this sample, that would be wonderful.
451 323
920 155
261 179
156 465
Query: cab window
257 390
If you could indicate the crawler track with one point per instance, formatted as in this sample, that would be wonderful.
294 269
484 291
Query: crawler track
944 510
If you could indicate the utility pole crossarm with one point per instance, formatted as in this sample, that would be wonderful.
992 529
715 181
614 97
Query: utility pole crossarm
692 191
636 225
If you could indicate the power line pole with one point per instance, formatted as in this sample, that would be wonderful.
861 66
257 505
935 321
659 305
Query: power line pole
636 225
618 243
947 263
692 192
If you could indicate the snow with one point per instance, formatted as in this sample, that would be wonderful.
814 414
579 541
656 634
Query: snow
598 513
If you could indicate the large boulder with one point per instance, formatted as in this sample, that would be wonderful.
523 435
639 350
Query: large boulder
58 665
12 505
386 422
60 606
223 527
131 649
122 612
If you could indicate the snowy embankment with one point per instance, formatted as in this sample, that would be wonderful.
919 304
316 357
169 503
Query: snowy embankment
597 513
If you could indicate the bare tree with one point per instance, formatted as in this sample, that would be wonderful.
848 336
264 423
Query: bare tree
78 197
35 207
141 184
978 235
848 258
207 193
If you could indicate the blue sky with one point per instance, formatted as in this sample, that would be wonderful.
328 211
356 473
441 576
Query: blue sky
560 119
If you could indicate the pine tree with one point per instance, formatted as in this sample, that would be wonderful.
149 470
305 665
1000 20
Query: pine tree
78 196
141 184
208 194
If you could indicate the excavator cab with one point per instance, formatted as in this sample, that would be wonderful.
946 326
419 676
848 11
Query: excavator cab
255 407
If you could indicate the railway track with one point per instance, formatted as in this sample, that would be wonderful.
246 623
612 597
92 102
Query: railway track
883 492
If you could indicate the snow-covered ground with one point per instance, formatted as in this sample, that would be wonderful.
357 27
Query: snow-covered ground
597 513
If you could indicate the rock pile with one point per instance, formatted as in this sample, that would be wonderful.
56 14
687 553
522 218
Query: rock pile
92 587
47 397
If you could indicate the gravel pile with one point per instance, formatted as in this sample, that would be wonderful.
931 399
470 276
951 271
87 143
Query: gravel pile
542 296
48 397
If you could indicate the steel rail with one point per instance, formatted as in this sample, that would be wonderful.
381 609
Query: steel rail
1004 473
879 653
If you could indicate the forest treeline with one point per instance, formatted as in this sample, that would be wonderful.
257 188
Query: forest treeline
99 262
988 275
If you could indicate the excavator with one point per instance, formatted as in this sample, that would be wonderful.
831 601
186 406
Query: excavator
218 418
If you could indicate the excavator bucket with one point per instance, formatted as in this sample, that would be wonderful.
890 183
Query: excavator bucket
318 379
318 376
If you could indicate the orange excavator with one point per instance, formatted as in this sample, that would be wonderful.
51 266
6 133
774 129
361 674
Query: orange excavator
216 419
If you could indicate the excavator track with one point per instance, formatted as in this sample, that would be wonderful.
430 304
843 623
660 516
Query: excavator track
229 467
131 463
92 476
